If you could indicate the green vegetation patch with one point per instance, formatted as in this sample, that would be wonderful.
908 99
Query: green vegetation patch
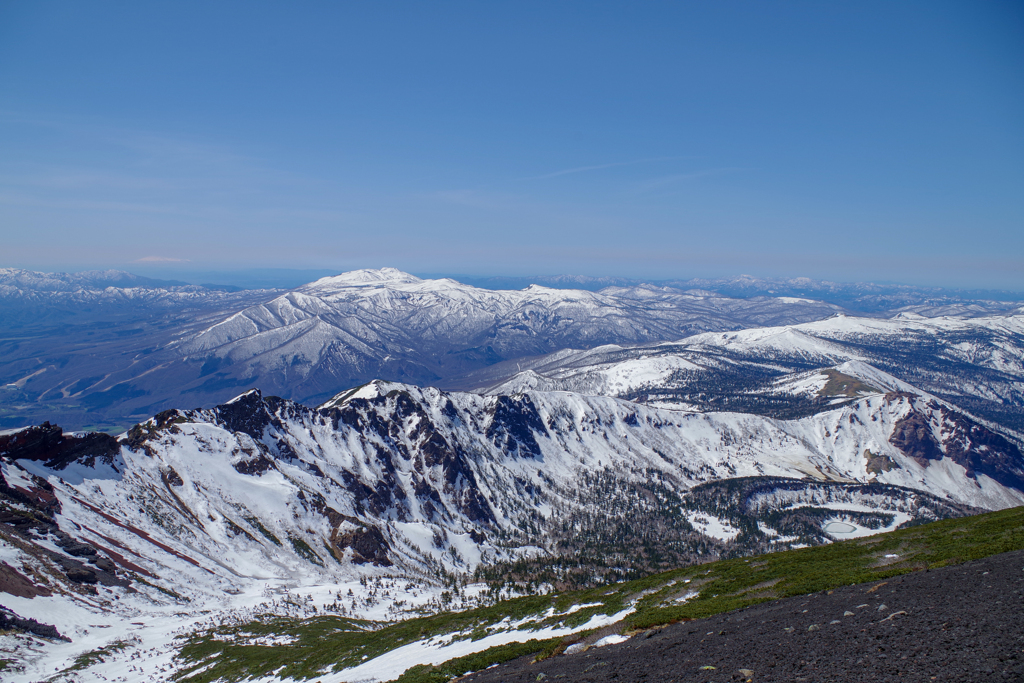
304 551
305 648
97 656
263 530
732 584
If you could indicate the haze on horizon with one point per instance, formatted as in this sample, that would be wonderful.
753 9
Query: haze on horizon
870 141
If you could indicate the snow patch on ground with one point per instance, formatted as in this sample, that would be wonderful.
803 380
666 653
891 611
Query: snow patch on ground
441 649
713 526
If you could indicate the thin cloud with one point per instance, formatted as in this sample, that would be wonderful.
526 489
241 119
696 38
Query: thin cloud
599 167
668 180
161 259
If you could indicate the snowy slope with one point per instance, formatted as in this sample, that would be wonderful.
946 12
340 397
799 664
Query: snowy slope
978 363
114 348
263 506
148 347
366 323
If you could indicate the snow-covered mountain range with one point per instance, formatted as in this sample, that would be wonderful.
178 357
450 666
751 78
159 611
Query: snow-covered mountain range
109 348
569 468
976 363
347 329
223 507
860 297
27 295
106 348
91 354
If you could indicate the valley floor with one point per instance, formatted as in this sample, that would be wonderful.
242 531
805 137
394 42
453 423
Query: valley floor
956 623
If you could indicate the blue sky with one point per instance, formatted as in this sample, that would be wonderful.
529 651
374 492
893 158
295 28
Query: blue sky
841 140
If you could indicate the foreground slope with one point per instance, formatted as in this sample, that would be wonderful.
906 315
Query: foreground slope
954 623
581 624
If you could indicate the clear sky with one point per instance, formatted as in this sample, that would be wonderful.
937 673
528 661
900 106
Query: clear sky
839 140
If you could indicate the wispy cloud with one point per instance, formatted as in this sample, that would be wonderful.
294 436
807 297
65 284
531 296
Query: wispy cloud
599 167
661 182
161 259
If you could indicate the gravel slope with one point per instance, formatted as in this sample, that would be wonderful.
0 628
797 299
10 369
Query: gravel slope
958 623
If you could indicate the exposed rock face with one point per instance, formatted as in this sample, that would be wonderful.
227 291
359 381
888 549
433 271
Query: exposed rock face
980 450
513 424
366 542
254 464
48 444
9 621
877 463
931 431
13 582
437 462
248 414
913 436
172 478
39 495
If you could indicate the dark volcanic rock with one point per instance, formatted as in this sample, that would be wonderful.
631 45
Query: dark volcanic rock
957 623
13 582
9 621
513 424
254 466
976 448
82 575
913 436
48 444
247 413
367 543
980 450
73 547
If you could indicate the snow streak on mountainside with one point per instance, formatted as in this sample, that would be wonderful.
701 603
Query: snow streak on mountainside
976 363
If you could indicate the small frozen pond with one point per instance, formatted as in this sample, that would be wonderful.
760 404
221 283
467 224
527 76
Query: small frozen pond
839 528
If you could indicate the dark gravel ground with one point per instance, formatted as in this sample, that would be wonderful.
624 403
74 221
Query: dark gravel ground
958 623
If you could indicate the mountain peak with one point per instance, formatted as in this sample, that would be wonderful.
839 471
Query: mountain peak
367 276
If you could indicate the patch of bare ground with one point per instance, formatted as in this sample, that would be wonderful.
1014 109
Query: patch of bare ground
15 583
955 623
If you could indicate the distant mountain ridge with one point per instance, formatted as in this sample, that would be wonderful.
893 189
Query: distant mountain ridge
977 363
31 280
156 348
106 348
862 297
